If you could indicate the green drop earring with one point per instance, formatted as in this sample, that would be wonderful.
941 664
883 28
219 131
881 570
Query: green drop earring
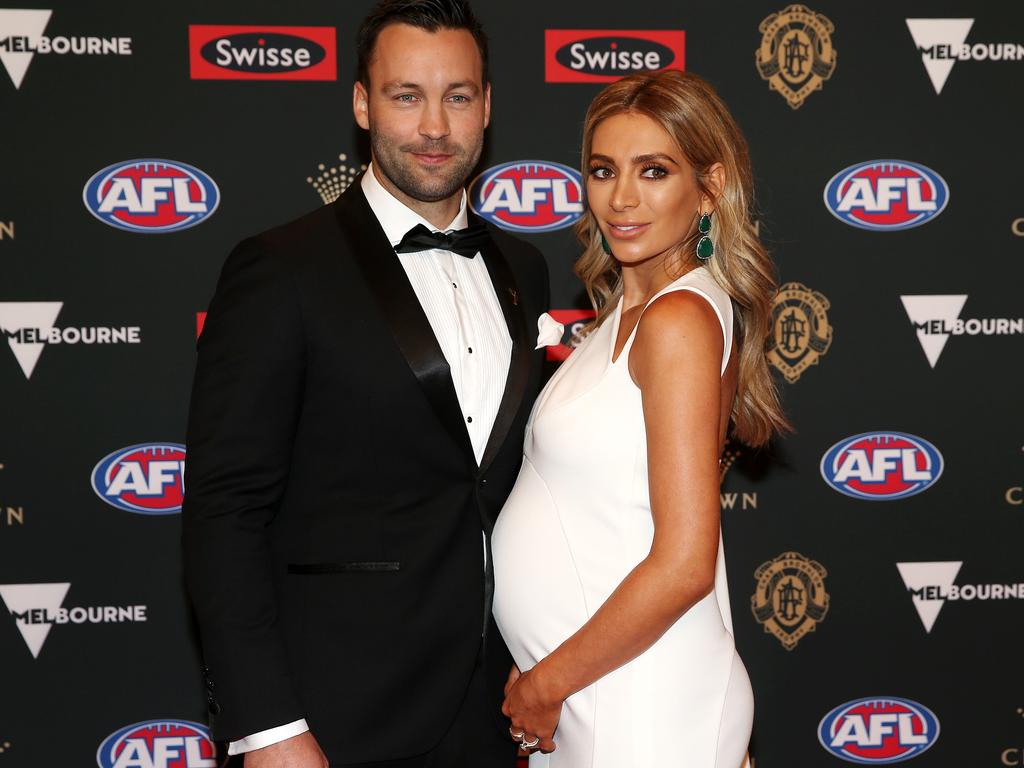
705 248
605 247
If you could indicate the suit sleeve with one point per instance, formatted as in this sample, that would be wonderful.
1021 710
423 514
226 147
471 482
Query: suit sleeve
246 399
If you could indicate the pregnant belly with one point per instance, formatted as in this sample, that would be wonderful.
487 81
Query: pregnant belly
538 599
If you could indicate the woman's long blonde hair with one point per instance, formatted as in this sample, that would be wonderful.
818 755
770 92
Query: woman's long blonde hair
688 108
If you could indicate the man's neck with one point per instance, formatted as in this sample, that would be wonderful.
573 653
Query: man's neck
439 213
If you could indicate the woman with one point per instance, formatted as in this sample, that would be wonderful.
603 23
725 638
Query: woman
609 571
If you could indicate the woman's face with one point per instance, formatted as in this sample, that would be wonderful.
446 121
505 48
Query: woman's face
640 188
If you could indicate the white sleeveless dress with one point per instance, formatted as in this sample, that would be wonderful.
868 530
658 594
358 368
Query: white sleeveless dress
576 523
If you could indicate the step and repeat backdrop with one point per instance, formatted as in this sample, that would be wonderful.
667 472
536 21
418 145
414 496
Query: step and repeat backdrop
875 556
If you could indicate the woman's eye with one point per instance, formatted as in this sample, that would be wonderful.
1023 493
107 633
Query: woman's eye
654 172
600 173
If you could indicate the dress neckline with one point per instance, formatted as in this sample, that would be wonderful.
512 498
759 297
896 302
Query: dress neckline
617 319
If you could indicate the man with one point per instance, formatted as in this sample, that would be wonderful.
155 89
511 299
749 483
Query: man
356 424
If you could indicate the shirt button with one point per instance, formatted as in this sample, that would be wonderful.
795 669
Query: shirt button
454 285
470 350
469 419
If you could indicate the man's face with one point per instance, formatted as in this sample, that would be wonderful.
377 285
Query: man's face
426 108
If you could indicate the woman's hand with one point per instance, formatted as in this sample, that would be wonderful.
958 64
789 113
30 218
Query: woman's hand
533 707
513 675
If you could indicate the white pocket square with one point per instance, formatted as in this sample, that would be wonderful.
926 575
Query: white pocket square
549 331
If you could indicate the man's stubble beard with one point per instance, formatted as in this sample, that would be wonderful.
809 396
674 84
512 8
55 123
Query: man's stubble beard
397 164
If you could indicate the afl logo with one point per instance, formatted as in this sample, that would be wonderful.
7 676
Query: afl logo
528 196
158 744
151 196
148 478
878 730
886 195
878 466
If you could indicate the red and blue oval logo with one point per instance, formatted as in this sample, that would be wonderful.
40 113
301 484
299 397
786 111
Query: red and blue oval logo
879 466
886 195
148 479
158 744
151 196
528 196
878 730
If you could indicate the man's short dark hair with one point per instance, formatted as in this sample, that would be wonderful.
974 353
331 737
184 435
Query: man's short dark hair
430 15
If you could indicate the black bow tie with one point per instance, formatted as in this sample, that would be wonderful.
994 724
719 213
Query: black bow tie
465 242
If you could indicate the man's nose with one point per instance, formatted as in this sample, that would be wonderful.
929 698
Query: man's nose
434 122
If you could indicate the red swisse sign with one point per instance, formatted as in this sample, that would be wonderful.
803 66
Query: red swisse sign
604 55
573 321
262 53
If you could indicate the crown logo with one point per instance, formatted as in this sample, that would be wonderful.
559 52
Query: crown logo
334 180
729 456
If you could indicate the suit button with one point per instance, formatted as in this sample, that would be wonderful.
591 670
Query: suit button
209 683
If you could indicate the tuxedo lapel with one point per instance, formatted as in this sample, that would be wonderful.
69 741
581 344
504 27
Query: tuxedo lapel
398 303
519 368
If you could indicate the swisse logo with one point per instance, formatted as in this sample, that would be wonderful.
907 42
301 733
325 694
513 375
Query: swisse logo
879 466
528 195
148 479
886 195
36 608
262 53
878 730
158 744
604 55
573 322
151 196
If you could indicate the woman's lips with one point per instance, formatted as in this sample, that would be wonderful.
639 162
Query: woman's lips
627 231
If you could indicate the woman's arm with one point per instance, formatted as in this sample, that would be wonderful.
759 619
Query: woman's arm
675 361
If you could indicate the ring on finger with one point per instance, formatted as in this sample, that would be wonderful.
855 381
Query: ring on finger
530 744
516 736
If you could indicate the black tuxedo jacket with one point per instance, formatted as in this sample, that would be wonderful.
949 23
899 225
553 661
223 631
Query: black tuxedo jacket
333 504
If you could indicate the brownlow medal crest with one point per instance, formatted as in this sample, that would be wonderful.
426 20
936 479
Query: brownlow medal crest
801 333
790 599
796 54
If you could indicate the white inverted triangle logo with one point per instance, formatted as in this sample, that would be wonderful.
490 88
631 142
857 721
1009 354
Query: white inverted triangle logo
21 23
22 598
917 576
926 309
932 32
17 315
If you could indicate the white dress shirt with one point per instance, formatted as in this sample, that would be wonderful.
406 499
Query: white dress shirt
460 304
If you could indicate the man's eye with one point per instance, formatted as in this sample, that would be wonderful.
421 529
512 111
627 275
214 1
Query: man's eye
406 97
458 98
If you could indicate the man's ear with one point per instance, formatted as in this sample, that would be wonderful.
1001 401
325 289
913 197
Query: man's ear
487 105
361 105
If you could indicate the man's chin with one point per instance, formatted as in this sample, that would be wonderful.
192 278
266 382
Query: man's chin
431 187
